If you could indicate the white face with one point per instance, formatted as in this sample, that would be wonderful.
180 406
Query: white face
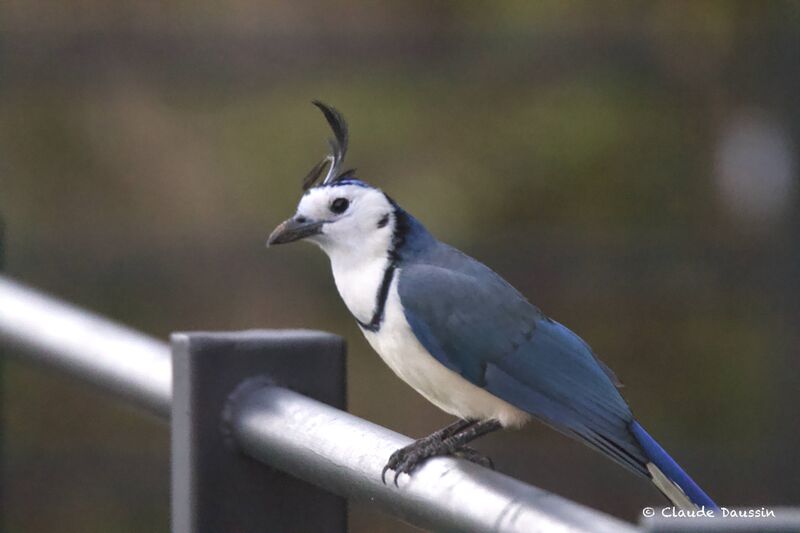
357 219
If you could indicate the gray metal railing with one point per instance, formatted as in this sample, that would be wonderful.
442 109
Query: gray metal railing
134 366
287 430
229 393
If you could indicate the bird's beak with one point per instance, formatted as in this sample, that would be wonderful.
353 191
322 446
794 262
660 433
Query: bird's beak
294 229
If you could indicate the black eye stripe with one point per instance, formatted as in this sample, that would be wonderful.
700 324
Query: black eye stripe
383 221
340 205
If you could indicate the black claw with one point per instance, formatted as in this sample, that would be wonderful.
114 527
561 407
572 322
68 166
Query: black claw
394 460
406 459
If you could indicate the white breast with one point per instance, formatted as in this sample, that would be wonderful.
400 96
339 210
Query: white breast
397 345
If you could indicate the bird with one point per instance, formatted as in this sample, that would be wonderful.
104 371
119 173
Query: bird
461 335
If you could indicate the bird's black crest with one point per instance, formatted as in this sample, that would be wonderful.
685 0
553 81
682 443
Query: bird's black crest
338 146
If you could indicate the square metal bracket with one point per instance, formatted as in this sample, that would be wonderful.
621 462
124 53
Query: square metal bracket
215 487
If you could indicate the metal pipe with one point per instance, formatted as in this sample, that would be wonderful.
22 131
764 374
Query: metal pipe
308 439
86 346
345 455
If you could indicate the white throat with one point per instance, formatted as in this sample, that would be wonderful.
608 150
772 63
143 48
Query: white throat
358 271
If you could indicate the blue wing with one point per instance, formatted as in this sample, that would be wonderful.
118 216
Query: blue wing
476 324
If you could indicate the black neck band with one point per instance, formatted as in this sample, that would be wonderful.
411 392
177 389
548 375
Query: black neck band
401 227
380 300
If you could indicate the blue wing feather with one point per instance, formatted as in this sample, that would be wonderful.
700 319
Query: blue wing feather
476 324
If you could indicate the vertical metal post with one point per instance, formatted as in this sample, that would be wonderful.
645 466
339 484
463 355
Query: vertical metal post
215 487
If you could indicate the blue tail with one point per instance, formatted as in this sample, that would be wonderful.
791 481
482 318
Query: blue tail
669 468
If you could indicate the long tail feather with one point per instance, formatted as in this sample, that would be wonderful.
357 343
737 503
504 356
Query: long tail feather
668 476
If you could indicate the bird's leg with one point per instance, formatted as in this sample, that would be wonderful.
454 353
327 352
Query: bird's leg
450 430
457 442
448 441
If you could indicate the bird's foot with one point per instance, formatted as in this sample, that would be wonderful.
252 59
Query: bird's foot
406 459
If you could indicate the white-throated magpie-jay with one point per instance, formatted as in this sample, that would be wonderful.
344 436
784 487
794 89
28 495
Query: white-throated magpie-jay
461 335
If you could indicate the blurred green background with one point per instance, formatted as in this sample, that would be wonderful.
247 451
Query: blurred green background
630 166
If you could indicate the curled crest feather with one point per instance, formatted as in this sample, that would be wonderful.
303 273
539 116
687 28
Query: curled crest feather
338 144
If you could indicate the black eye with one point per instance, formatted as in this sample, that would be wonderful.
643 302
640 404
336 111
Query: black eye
340 205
